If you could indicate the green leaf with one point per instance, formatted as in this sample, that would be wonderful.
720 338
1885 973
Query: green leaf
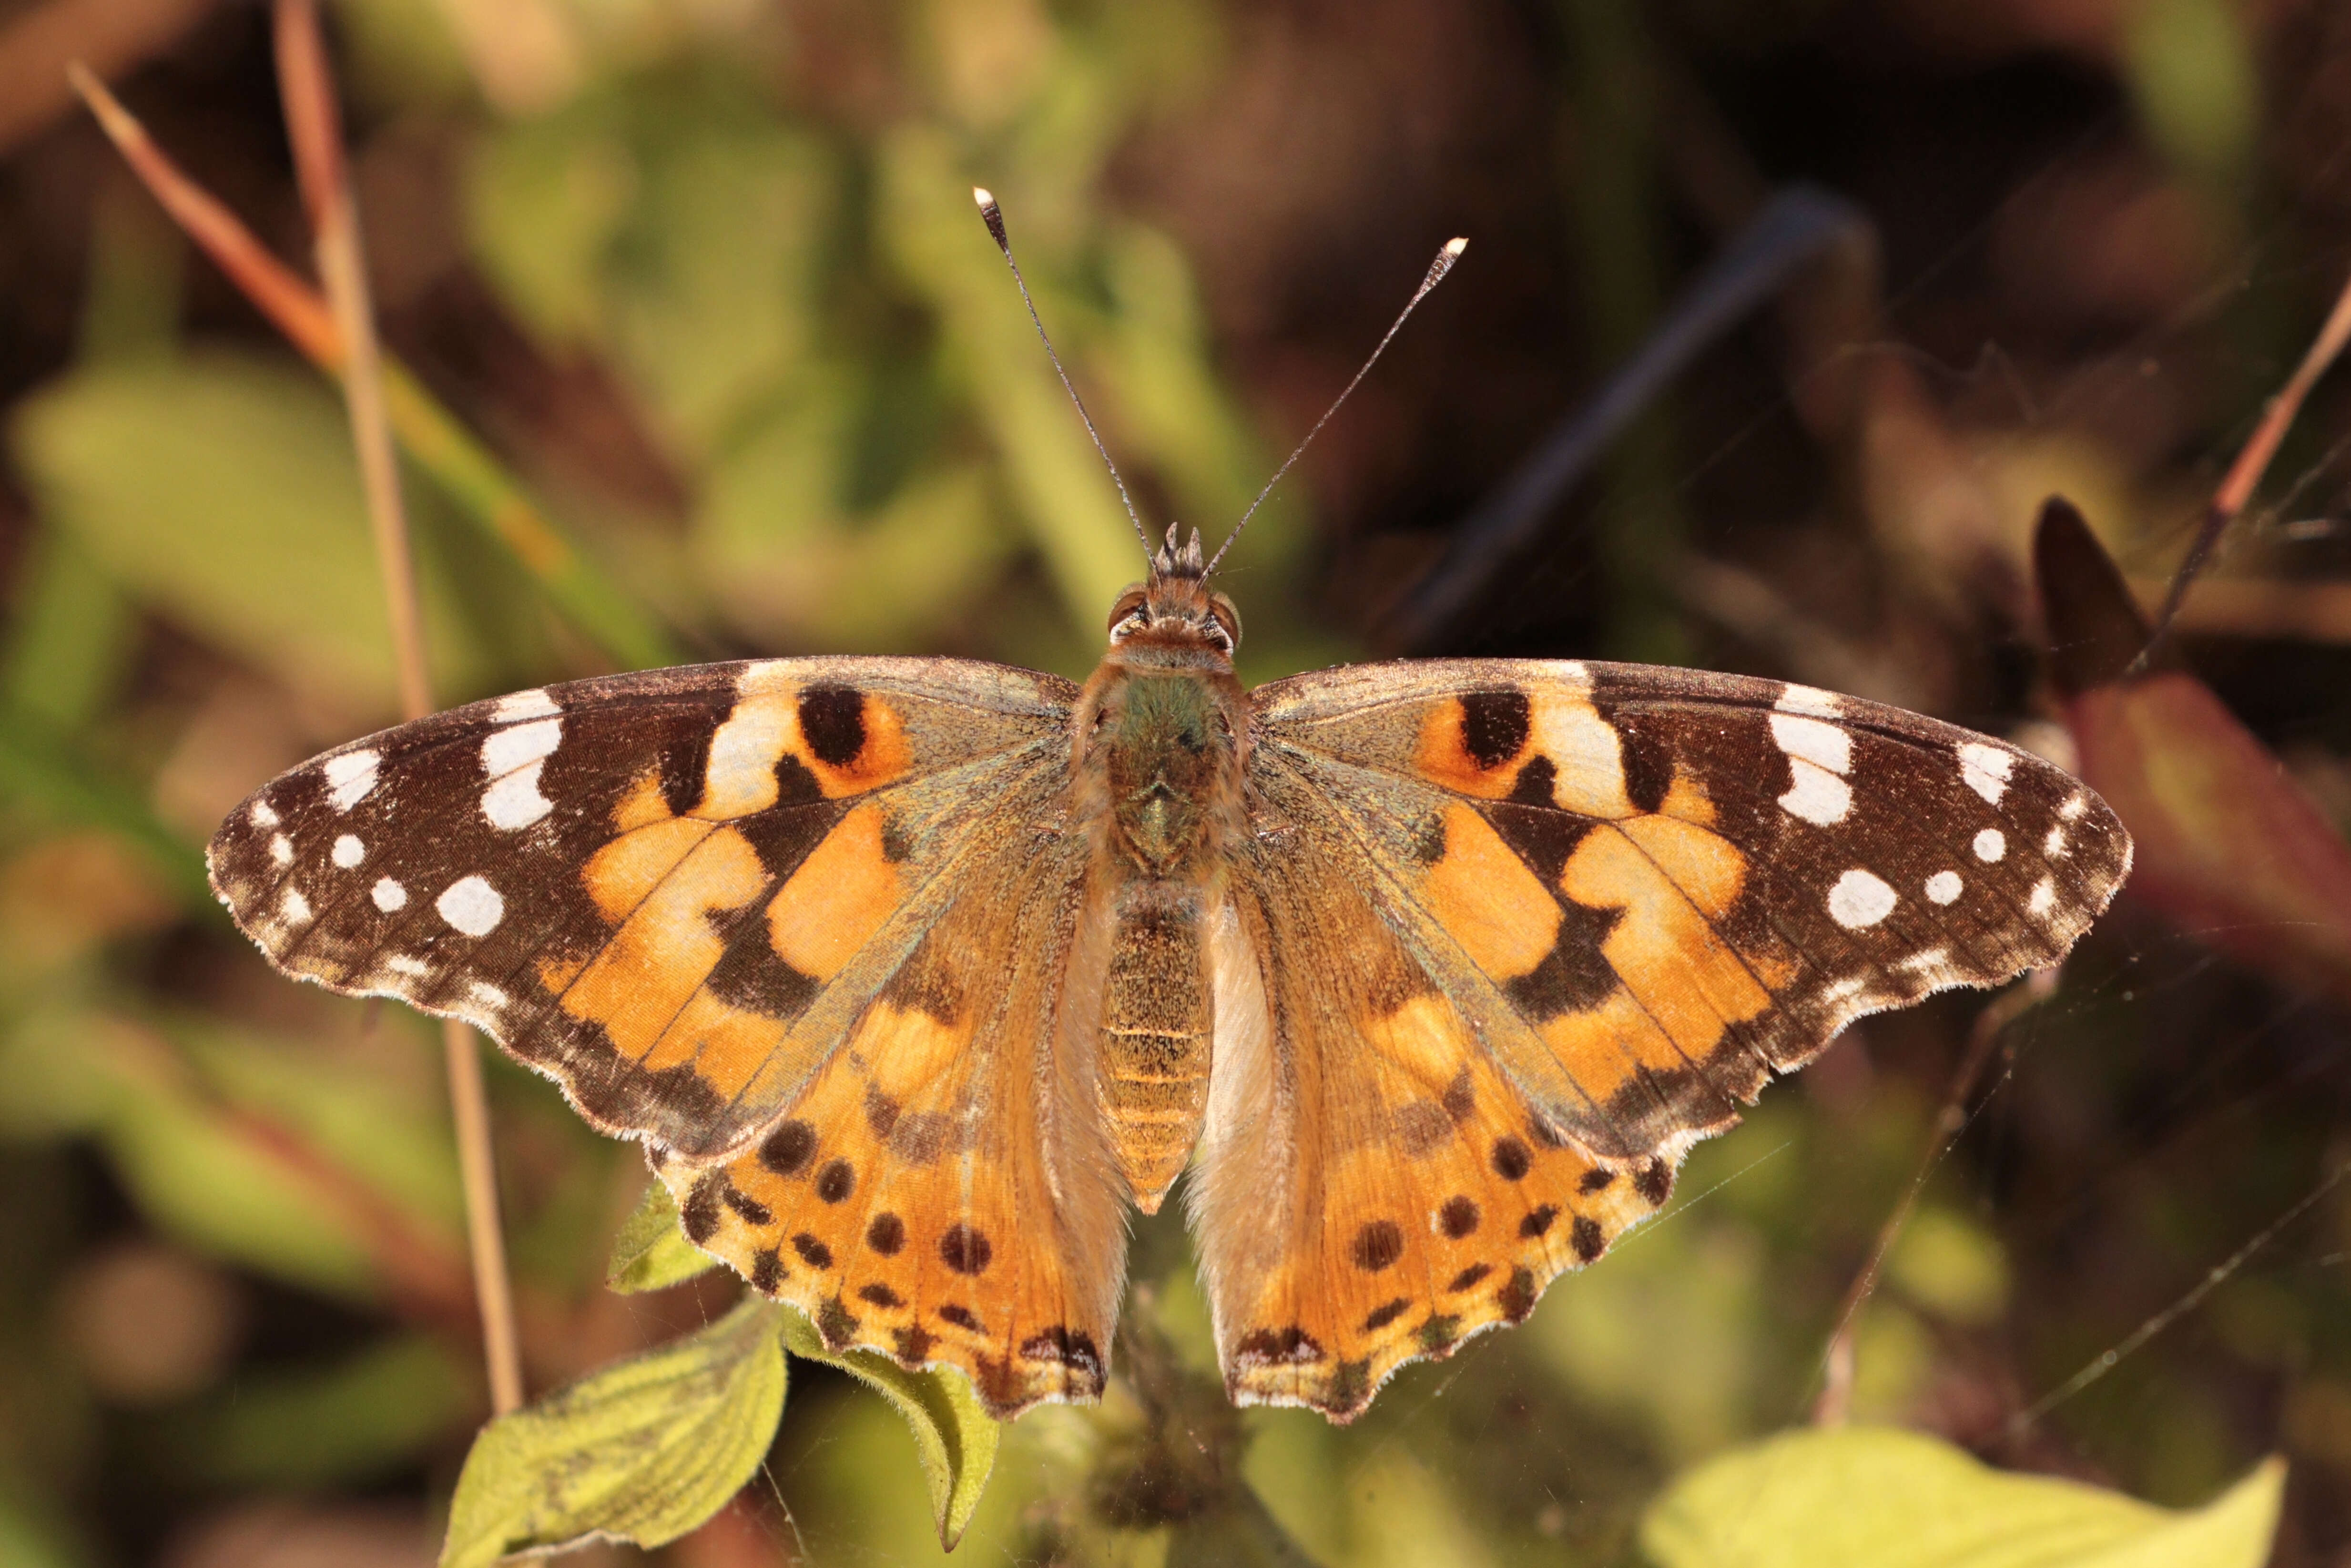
1887 1499
642 1450
955 1437
651 1252
221 490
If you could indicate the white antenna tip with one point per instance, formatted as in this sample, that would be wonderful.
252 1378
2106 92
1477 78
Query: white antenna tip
979 194
1454 247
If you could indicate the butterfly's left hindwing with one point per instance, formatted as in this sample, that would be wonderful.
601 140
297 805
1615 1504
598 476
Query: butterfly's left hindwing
672 891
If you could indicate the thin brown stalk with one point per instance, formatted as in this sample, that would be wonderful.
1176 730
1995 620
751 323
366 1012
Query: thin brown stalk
313 125
2252 462
1835 1401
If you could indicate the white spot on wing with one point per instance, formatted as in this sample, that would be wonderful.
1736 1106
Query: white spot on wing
2043 897
349 778
401 964
293 908
532 704
1926 963
348 851
1985 767
1944 887
1842 989
281 848
389 895
1813 740
471 905
2076 804
1815 794
1990 845
263 813
1860 898
1808 700
486 995
2054 844
504 750
514 801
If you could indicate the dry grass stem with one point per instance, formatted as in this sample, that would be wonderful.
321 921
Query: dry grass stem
2252 462
1835 1401
313 127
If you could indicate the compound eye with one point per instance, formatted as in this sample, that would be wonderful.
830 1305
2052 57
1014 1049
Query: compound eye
1129 612
1224 629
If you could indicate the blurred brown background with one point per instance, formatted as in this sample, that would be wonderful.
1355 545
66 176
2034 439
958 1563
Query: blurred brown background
705 278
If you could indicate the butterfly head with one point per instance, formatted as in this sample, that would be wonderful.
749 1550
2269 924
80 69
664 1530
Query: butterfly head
1174 612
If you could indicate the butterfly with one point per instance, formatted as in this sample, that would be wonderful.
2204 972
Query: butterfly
914 975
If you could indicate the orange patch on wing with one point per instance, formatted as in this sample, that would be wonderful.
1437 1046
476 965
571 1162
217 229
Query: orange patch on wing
667 948
1601 1047
726 1045
1484 896
910 1050
1423 1036
837 899
643 805
1687 978
623 873
1686 800
1707 868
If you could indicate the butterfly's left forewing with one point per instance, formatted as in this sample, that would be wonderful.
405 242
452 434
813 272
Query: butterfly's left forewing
672 891
1603 904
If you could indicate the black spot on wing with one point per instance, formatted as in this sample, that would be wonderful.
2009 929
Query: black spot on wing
1535 781
1378 1244
683 765
964 1249
1494 726
750 975
795 784
832 723
783 835
788 1150
1573 977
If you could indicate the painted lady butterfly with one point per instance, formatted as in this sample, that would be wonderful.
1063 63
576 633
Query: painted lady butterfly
912 973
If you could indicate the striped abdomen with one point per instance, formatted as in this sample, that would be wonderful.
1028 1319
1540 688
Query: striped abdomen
1155 1036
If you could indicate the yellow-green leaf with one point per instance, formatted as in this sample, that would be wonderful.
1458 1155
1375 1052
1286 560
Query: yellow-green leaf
652 1251
642 1450
1888 1499
221 491
955 1437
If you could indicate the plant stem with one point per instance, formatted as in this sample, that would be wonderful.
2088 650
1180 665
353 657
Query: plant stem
314 126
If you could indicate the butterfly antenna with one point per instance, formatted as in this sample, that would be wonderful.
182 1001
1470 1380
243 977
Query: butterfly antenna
994 217
1436 271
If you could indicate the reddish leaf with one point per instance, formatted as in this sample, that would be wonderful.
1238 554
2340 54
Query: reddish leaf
2230 847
